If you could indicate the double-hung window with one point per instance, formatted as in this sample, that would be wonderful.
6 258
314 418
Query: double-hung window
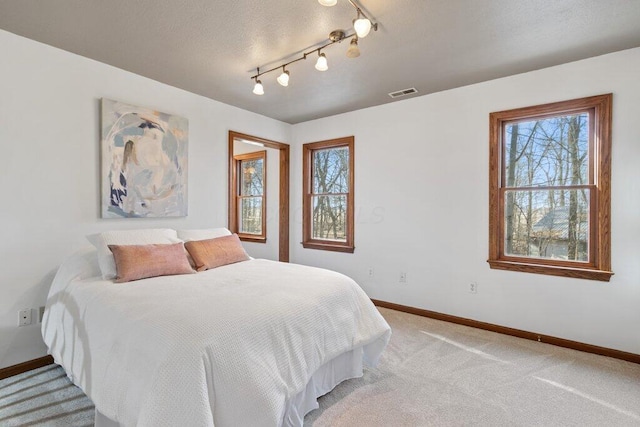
250 197
549 192
328 195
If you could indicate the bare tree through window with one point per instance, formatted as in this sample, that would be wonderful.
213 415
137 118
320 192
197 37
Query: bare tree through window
328 201
547 201
330 190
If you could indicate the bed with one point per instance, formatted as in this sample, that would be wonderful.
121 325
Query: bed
252 343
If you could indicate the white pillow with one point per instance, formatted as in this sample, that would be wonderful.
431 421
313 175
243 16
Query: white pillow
202 234
127 237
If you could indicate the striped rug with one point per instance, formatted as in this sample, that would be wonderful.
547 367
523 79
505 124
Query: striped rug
44 397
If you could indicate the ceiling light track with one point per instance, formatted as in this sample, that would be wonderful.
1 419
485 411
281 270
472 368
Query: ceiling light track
361 28
304 55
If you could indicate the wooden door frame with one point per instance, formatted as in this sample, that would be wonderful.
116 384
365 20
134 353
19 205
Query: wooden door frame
283 209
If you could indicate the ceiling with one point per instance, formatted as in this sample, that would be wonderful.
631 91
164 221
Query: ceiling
212 47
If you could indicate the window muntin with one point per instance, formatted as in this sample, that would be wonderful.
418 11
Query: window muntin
328 198
549 189
250 198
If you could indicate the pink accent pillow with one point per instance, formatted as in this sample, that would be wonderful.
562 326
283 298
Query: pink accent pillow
212 253
135 262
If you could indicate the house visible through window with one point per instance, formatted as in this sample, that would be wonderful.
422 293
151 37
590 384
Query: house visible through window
250 198
550 190
328 195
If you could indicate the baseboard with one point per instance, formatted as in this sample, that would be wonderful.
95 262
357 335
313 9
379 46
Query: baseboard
560 342
10 371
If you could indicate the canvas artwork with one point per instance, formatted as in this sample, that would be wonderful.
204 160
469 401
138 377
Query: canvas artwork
144 162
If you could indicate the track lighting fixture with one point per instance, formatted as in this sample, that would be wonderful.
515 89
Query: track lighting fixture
362 25
283 78
353 51
321 63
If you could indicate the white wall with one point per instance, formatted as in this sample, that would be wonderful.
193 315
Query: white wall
270 248
421 197
50 176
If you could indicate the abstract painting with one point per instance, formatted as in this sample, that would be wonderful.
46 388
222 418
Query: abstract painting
144 162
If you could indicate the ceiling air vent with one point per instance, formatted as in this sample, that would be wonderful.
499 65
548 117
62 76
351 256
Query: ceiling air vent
403 92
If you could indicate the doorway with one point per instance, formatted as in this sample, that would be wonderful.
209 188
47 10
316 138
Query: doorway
283 187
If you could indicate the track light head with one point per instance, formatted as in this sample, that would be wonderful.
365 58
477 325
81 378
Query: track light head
258 89
362 26
321 63
283 78
353 51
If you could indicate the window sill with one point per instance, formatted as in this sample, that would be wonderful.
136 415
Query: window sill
577 273
328 247
254 239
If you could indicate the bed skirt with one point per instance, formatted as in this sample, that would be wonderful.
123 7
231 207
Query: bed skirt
346 366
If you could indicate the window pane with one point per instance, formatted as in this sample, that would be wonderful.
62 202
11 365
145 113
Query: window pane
547 152
251 177
550 224
250 215
331 171
329 218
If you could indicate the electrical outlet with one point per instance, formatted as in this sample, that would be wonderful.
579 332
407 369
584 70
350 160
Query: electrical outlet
40 314
24 317
403 277
473 288
370 274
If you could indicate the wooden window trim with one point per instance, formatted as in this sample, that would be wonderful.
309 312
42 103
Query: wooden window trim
599 267
238 159
307 152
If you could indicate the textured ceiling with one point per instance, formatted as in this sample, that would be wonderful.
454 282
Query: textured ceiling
212 48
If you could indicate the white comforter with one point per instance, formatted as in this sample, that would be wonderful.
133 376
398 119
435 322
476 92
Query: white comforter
228 347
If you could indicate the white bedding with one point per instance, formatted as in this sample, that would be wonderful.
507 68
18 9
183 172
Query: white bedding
230 346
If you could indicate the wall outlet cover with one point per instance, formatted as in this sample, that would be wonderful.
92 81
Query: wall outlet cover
24 317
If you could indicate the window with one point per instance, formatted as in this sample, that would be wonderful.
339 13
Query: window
327 218
549 192
251 189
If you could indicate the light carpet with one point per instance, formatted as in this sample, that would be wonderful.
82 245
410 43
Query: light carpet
436 373
433 373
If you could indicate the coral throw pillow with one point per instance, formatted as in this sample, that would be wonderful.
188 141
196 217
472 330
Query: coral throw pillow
135 262
212 253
